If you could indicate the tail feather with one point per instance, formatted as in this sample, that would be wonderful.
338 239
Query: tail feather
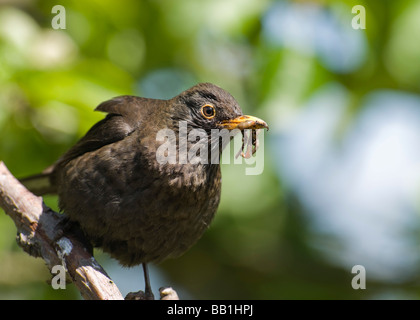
39 184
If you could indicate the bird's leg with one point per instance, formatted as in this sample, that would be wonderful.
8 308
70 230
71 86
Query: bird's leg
147 294
148 289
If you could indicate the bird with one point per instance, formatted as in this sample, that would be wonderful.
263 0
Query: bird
126 200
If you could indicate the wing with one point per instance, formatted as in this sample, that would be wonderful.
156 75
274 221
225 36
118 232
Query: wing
124 116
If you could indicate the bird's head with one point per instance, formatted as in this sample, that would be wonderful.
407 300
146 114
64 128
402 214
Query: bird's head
207 106
210 114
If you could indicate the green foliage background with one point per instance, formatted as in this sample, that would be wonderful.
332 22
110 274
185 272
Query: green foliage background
259 246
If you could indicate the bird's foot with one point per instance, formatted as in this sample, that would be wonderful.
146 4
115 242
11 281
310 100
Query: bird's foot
166 293
66 227
139 295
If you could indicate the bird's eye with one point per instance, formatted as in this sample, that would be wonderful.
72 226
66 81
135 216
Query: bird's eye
208 111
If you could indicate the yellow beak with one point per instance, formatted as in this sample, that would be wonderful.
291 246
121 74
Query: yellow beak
244 122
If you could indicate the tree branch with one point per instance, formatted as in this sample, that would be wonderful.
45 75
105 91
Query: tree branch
39 234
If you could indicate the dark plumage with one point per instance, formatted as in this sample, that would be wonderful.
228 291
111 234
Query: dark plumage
126 202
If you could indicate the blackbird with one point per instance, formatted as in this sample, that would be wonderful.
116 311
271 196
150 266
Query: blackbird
127 202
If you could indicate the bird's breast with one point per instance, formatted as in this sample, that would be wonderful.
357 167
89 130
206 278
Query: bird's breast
135 208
